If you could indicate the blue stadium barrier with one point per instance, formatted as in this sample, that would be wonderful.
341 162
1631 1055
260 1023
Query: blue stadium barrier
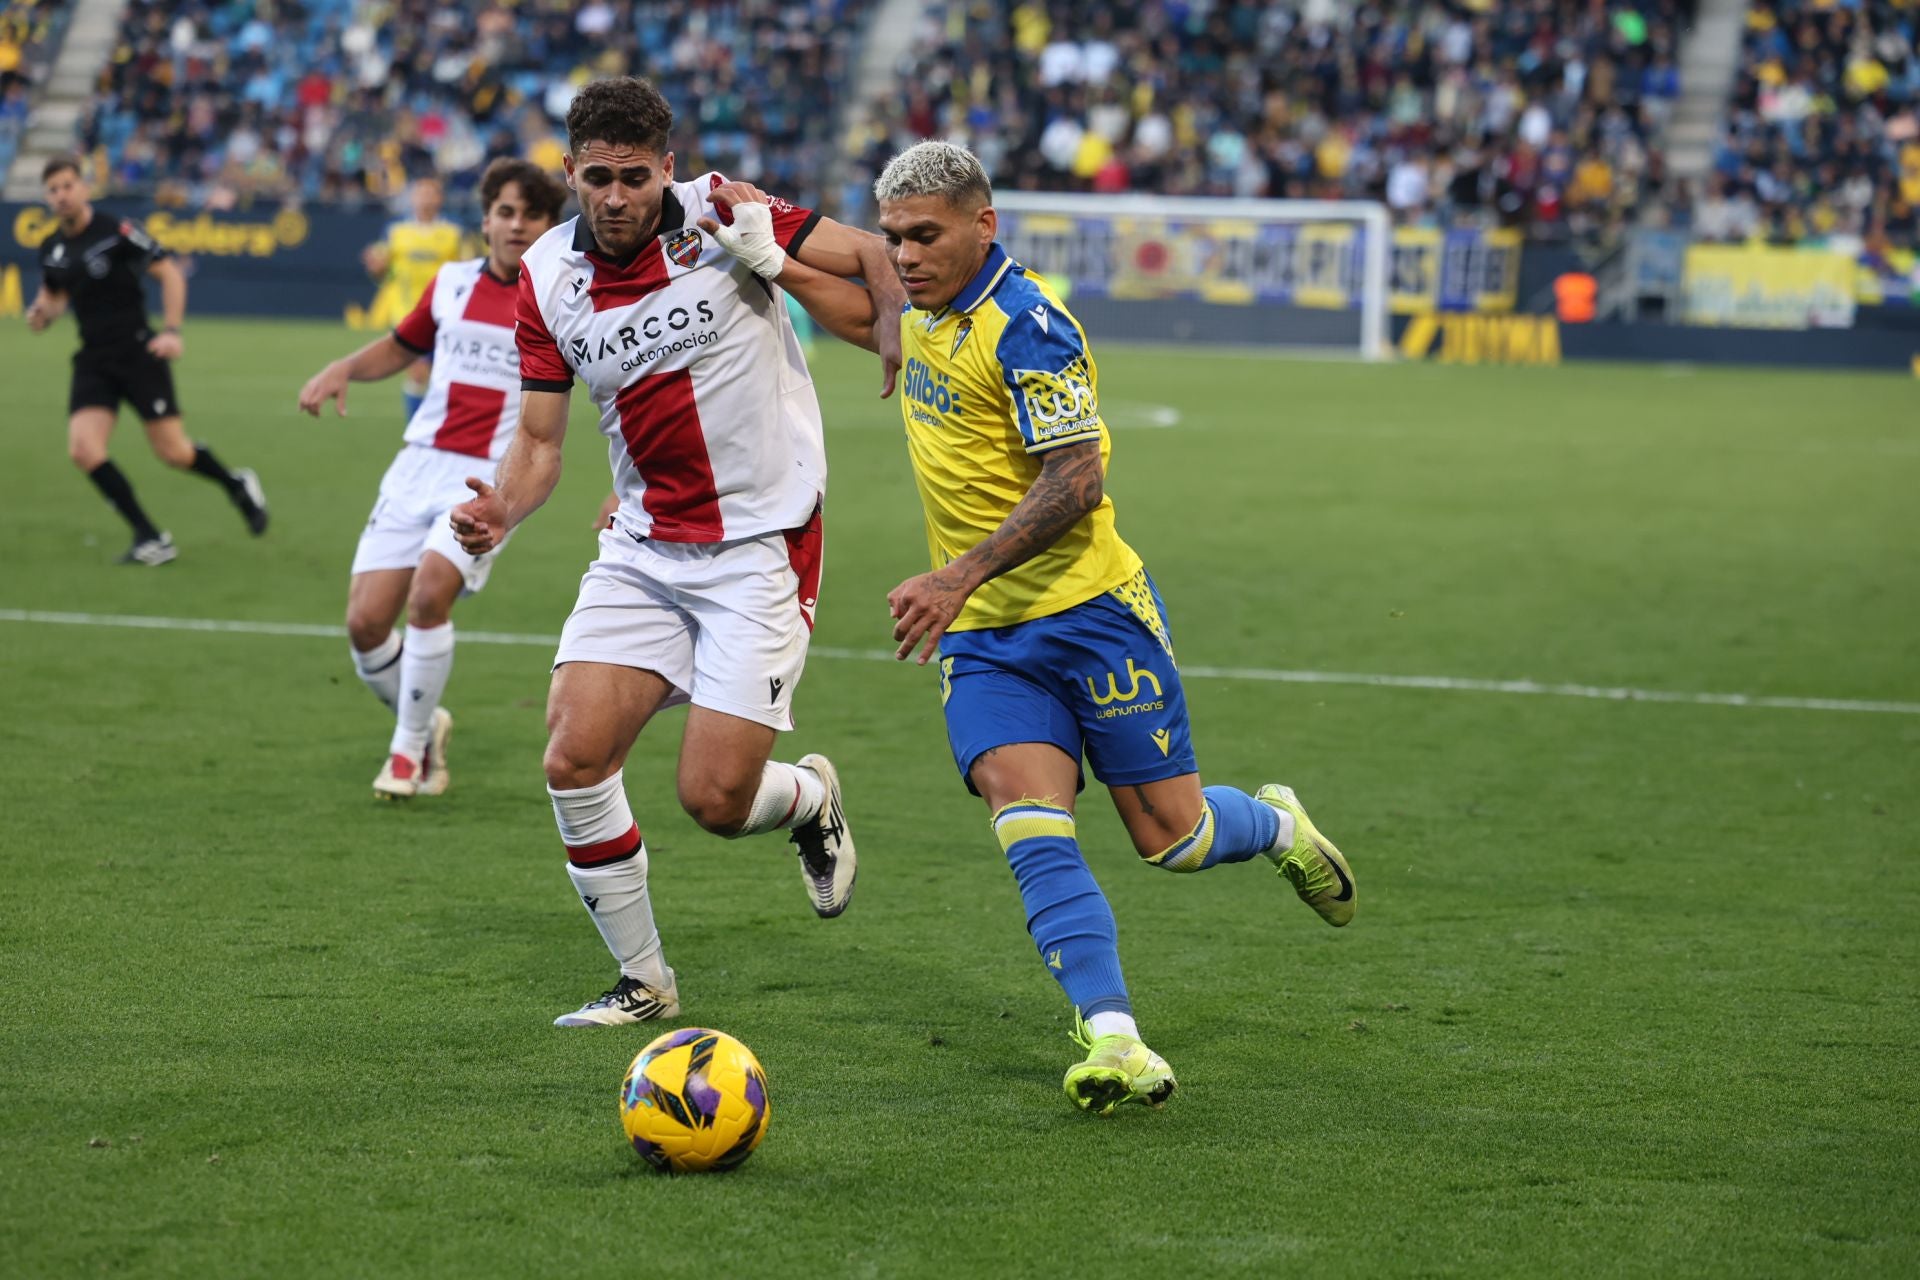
263 262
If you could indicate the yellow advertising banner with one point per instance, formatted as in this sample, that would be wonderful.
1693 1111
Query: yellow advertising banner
1482 339
1743 287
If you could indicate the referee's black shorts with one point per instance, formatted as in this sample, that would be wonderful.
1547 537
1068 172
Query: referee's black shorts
104 376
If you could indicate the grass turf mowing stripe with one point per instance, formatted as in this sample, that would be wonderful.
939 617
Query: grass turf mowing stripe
1453 684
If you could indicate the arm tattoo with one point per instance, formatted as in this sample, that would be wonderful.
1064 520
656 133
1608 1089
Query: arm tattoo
1070 485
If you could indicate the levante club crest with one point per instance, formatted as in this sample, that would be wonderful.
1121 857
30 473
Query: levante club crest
683 246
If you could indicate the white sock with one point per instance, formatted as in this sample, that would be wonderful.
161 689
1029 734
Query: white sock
1113 1024
607 861
379 669
425 664
616 897
789 795
1283 837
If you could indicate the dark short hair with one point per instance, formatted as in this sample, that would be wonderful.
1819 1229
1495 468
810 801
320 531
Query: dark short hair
544 194
625 112
60 164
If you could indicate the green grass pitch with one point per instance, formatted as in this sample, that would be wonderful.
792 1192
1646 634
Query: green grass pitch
1632 989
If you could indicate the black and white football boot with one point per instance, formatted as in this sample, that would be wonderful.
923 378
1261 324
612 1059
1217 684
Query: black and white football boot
629 1000
827 862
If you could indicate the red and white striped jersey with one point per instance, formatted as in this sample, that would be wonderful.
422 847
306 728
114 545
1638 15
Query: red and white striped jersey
464 324
704 395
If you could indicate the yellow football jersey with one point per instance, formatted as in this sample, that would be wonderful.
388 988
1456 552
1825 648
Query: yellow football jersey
417 250
993 381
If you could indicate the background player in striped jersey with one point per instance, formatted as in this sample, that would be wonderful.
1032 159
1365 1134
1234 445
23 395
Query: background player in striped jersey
705 584
407 556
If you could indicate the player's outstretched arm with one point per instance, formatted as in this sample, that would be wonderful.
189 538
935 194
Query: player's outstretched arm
527 475
843 309
846 251
381 358
836 249
1071 484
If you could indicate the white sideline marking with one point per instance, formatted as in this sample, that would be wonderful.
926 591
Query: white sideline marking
1127 414
1454 684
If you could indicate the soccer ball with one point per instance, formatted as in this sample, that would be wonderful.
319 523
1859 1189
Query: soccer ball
695 1100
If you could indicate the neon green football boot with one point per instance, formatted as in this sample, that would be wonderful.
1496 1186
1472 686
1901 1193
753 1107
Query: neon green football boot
1316 868
1118 1069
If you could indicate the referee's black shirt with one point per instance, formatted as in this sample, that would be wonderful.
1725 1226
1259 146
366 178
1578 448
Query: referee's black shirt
102 269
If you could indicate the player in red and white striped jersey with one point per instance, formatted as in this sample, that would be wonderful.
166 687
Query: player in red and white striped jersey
408 557
705 585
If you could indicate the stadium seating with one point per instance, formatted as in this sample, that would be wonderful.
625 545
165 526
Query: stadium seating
339 100
29 35
1822 138
1542 113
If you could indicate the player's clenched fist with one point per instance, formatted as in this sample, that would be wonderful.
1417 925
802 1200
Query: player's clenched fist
480 523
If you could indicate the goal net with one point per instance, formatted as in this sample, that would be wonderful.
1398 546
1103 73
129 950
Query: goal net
1273 273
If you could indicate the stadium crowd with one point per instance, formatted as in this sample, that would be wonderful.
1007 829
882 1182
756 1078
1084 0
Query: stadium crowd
1543 114
29 37
1822 139
346 99
1539 113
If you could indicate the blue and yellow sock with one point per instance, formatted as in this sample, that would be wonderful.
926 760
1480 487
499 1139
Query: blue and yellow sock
1233 827
1067 915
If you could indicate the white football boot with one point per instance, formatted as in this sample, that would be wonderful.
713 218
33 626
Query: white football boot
433 764
827 862
399 779
629 1000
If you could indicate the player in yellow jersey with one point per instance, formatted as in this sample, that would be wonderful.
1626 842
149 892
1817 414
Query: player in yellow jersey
1052 640
406 262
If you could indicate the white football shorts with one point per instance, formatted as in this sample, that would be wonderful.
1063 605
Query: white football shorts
410 517
725 623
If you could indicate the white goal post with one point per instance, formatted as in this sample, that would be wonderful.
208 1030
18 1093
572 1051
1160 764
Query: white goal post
1195 264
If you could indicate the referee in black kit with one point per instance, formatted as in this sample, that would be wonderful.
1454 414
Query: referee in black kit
96 262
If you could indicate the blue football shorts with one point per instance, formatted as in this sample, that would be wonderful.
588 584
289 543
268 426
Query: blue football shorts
1097 680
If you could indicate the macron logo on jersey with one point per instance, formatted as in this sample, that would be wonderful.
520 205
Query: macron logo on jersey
1039 315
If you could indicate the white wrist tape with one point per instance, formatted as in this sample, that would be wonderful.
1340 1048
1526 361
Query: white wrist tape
750 239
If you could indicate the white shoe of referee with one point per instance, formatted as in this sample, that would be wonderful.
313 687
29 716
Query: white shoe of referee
157 550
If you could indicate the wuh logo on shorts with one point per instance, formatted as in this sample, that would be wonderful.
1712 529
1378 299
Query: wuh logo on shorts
1134 676
1118 702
